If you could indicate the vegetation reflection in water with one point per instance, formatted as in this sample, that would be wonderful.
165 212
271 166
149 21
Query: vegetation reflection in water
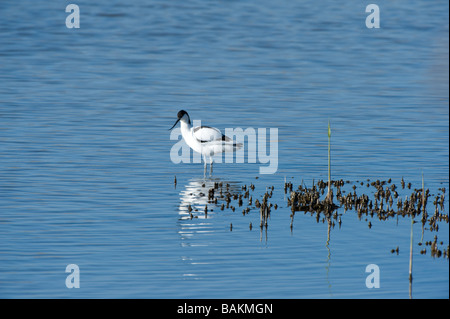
382 200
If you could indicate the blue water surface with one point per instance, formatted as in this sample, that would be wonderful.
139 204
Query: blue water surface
86 175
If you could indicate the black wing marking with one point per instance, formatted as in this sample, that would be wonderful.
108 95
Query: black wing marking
223 137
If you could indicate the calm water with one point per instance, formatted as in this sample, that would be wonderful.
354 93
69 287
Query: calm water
85 171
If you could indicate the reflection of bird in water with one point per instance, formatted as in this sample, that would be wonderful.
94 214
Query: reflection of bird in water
193 199
195 196
205 140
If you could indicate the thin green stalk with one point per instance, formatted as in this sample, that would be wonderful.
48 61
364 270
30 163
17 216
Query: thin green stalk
329 160
411 258
411 250
423 197
423 208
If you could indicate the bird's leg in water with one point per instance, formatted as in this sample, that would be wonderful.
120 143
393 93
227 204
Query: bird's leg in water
210 165
204 160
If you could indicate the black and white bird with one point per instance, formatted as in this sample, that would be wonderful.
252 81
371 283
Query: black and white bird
205 140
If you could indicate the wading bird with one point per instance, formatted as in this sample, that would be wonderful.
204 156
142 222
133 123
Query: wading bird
205 140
